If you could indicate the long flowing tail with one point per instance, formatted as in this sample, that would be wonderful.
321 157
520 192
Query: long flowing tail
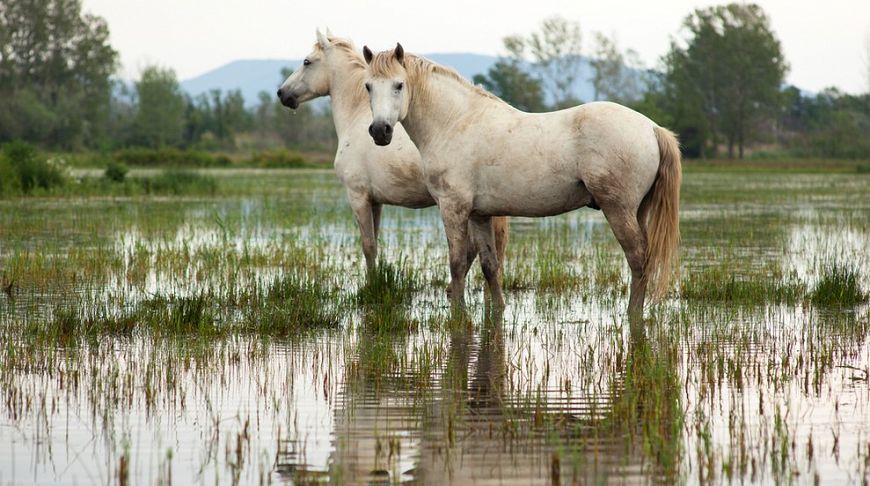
663 216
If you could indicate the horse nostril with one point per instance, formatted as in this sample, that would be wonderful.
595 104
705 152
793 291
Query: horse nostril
280 93
388 129
372 129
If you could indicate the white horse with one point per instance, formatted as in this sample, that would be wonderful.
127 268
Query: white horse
372 175
483 158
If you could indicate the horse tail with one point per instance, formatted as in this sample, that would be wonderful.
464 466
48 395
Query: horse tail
663 216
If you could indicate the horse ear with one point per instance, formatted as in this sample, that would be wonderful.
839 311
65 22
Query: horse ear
322 40
329 33
367 53
400 53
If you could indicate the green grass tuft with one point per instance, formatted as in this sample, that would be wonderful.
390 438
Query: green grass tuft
838 286
720 284
290 305
178 181
385 297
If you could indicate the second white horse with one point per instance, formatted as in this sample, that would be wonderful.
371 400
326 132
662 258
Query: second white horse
372 175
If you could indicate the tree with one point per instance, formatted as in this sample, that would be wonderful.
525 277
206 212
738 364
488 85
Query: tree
555 54
159 119
617 76
55 68
509 81
730 72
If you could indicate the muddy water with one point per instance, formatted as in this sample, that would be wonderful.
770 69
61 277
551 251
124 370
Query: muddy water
557 389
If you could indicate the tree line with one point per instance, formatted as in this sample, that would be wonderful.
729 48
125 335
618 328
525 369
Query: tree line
721 86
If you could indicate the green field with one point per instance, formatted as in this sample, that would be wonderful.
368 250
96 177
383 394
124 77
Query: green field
224 331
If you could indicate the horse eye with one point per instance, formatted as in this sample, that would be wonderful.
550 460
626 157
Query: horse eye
306 62
399 86
368 87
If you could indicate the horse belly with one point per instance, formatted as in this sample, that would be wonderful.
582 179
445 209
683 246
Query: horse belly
530 197
399 183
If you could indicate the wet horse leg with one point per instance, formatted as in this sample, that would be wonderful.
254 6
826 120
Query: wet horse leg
484 240
628 232
364 214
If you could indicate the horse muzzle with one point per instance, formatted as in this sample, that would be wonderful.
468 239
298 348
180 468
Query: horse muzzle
381 132
288 99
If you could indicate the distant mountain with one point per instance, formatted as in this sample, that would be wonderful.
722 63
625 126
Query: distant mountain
252 76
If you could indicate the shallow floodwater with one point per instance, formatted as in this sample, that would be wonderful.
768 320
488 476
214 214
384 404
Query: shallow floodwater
762 385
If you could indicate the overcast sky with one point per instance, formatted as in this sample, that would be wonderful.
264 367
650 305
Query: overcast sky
824 40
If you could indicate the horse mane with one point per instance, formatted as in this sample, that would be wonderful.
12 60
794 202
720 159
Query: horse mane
345 45
419 70
357 71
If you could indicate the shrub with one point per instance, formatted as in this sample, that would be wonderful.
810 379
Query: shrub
32 171
10 184
116 171
170 157
179 181
279 159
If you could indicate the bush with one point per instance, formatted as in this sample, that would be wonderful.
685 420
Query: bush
170 157
31 171
279 159
178 181
116 172
10 184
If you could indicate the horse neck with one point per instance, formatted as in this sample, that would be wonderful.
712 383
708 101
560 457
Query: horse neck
437 102
349 99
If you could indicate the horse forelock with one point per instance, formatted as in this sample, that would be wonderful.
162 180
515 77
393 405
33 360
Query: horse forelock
385 65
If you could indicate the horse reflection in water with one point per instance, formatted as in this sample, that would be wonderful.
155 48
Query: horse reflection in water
466 423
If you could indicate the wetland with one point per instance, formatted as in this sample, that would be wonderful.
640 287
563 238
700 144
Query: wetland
230 336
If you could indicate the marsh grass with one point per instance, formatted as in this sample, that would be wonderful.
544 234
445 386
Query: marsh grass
723 284
188 310
386 295
291 304
648 407
178 182
838 285
388 285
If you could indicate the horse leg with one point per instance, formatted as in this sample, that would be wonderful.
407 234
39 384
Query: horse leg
484 239
470 255
455 218
500 231
631 237
376 219
363 211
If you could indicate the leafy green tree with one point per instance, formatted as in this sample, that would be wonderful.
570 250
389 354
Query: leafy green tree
159 119
830 124
616 75
556 49
728 71
509 80
55 68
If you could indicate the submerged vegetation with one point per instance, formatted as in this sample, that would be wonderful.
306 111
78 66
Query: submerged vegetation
242 324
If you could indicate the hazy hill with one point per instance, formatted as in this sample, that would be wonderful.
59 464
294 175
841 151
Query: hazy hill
252 76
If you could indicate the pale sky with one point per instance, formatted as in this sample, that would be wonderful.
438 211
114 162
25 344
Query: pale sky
824 40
